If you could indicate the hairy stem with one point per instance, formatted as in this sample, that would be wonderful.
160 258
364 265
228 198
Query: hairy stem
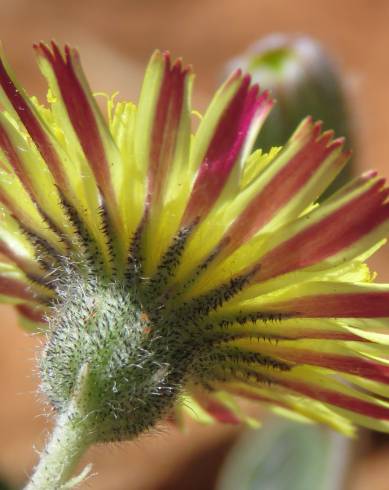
67 444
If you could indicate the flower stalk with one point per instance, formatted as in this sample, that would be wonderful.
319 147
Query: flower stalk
68 442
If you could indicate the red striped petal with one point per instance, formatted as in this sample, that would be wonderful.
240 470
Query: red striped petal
325 335
31 313
285 184
341 400
82 111
16 211
217 410
246 107
13 158
350 305
33 124
336 362
165 132
329 235
15 289
29 266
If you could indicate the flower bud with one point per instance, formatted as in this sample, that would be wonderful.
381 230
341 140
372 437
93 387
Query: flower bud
304 80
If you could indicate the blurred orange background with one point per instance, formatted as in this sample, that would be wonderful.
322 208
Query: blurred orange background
116 38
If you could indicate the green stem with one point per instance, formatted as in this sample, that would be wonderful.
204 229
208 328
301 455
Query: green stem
67 444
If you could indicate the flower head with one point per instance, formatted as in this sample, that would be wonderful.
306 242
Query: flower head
173 270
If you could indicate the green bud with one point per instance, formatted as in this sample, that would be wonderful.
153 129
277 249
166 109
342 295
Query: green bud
304 80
